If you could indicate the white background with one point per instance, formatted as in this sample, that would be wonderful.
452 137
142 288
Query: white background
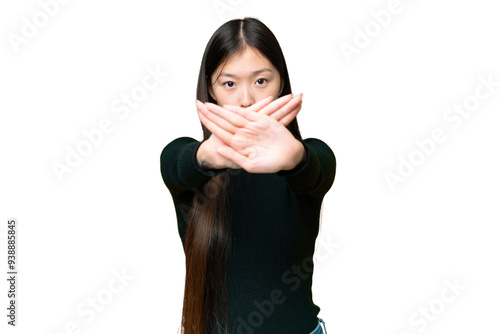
397 248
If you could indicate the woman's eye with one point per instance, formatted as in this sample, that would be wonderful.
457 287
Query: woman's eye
231 84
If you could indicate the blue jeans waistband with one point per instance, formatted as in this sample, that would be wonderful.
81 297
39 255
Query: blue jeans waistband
319 329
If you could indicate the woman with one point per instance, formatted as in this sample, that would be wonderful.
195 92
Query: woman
248 197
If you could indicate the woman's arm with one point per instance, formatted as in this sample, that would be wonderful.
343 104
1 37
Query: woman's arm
315 174
203 157
181 165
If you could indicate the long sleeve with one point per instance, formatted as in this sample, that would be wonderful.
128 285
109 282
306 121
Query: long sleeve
179 169
274 223
314 175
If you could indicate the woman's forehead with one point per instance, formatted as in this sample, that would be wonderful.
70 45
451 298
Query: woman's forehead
245 64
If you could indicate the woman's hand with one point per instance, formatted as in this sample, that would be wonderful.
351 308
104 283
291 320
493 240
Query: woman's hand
256 138
208 155
283 109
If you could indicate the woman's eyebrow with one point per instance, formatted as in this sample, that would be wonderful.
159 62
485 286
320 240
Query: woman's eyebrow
254 73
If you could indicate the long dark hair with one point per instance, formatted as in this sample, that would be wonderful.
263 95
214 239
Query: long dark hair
208 234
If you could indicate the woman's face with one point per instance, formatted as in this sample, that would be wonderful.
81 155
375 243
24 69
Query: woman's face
245 79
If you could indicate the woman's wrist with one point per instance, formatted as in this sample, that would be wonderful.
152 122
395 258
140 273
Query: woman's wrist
203 157
299 156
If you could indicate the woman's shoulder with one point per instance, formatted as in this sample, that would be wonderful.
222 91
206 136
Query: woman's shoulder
181 141
319 145
175 145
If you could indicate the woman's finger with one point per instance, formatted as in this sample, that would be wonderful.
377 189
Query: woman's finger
258 107
276 105
250 116
251 113
261 104
294 103
236 120
222 134
214 118
291 115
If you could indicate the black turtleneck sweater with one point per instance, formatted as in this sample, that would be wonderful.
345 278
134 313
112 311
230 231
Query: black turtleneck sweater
274 224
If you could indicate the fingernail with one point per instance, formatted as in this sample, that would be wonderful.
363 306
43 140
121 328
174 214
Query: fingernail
298 95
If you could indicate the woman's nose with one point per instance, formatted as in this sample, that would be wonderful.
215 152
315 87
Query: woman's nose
246 98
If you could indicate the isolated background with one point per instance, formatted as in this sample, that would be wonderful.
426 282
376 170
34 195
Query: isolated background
395 248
